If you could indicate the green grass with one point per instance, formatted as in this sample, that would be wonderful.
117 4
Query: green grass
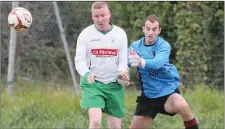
46 106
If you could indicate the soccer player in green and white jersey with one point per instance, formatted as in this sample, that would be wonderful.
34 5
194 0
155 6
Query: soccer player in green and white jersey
101 56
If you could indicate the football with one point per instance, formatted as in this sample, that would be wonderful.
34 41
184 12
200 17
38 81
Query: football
20 19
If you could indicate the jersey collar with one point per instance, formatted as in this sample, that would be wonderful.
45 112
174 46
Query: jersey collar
143 41
105 32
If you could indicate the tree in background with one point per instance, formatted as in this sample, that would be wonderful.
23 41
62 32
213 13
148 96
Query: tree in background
194 29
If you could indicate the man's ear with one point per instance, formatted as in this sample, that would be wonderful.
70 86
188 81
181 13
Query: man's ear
160 30
109 13
143 28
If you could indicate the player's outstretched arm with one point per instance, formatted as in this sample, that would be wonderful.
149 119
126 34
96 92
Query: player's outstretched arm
161 57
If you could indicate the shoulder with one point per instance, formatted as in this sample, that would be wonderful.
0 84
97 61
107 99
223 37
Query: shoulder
137 42
163 43
118 29
87 30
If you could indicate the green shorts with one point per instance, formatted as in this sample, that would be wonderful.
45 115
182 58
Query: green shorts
109 97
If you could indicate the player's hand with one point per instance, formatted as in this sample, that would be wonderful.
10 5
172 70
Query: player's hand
123 78
123 75
91 78
135 60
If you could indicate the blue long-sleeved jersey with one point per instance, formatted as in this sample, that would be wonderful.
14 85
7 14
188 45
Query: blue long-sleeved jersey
159 77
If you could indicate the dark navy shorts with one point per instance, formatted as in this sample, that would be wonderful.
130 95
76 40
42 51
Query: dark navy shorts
152 106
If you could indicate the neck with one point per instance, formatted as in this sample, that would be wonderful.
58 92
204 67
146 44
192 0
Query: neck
106 29
109 27
149 43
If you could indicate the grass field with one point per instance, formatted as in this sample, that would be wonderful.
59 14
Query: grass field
46 106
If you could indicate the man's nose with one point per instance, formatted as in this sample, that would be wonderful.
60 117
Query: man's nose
150 31
100 19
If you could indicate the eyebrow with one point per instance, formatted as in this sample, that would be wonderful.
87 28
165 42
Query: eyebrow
151 28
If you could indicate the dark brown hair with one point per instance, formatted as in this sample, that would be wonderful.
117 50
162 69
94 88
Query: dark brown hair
153 18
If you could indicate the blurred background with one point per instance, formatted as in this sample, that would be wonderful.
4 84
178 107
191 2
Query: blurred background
194 29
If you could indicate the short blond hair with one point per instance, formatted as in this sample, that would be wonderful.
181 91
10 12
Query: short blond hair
99 5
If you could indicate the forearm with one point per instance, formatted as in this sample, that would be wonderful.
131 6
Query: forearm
81 66
158 61
153 63
122 66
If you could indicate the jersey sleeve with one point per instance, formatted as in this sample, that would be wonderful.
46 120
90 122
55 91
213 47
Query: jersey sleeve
122 63
161 57
81 58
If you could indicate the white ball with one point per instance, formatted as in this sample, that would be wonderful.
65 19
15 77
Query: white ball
20 19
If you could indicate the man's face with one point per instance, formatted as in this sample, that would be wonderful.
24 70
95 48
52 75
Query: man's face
101 18
151 31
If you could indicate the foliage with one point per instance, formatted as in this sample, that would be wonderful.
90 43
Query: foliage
195 30
194 40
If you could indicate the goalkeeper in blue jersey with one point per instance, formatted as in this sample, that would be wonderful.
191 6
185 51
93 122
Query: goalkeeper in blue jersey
159 79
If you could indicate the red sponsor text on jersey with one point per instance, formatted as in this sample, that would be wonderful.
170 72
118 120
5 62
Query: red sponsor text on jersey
104 52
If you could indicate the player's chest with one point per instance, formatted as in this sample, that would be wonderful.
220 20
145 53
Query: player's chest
104 42
146 53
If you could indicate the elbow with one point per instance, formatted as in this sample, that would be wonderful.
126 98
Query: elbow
76 60
77 64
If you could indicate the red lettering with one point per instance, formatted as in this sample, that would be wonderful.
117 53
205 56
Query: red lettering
104 52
